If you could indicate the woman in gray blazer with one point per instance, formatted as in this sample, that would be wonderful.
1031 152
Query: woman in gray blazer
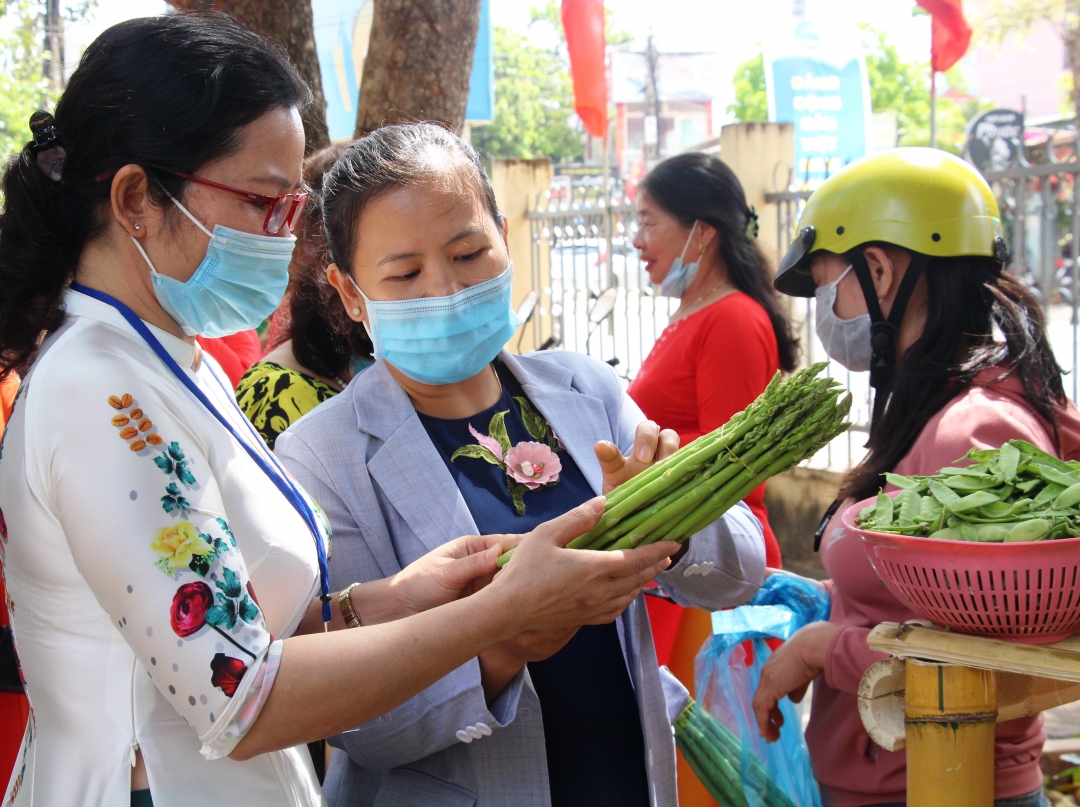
446 435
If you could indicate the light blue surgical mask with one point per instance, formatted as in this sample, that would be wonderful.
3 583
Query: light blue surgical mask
845 340
239 283
680 275
444 340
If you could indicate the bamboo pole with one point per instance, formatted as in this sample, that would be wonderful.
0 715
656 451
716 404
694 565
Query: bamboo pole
950 712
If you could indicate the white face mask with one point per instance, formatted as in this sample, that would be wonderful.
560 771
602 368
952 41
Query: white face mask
845 340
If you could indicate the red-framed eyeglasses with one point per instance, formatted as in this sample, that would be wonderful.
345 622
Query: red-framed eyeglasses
280 210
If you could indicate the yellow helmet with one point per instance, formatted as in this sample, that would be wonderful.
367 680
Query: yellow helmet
922 199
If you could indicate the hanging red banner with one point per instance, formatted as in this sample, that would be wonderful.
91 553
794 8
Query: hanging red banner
950 34
583 24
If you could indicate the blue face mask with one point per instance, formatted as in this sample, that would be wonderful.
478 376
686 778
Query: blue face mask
239 283
680 275
444 340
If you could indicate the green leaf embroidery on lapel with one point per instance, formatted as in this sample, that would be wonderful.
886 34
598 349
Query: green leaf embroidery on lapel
497 429
517 493
535 424
476 452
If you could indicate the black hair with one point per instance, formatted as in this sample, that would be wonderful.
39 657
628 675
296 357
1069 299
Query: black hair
324 339
701 187
171 91
967 298
393 157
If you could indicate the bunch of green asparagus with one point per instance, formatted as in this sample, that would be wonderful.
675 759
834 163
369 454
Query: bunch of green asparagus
715 755
1010 494
697 484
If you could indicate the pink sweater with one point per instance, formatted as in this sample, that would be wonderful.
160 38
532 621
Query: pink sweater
852 770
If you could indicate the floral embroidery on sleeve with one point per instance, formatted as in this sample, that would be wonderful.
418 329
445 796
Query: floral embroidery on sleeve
528 465
217 600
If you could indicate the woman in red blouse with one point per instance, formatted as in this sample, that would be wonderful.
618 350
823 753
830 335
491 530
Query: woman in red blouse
723 344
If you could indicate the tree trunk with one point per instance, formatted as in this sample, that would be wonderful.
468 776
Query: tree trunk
288 23
418 63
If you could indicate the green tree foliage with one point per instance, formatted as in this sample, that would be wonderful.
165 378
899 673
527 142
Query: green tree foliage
895 85
534 101
534 96
23 85
904 87
751 102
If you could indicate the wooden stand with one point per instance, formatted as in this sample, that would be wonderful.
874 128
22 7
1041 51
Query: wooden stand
941 694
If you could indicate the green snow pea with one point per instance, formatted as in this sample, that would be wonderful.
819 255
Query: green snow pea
1069 497
973 501
946 495
968 483
883 511
1031 530
1008 461
1056 476
948 534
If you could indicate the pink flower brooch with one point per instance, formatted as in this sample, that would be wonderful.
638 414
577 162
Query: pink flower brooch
528 465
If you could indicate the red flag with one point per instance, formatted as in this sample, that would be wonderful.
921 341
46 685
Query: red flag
583 23
950 33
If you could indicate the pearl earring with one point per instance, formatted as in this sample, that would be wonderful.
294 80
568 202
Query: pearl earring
356 311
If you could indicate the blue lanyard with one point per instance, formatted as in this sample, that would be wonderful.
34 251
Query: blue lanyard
272 468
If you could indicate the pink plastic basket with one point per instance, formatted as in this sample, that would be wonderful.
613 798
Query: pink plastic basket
1023 592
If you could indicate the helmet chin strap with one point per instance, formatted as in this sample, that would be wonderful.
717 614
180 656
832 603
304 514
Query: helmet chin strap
884 330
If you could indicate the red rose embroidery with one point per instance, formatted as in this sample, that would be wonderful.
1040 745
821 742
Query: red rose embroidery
228 672
189 607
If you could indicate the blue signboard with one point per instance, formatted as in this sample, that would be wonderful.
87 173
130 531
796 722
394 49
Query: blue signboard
815 78
481 105
342 33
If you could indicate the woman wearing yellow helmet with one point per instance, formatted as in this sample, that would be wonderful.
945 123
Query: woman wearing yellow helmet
903 252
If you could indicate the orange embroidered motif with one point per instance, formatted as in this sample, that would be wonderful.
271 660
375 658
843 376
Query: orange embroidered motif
133 423
121 401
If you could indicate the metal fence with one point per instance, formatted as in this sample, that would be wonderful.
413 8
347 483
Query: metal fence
595 296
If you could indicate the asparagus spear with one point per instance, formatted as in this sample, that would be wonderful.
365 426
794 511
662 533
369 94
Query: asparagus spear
697 484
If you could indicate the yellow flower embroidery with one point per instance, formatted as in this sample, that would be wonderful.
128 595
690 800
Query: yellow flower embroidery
177 544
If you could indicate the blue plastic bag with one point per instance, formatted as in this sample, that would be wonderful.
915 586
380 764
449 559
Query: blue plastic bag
727 671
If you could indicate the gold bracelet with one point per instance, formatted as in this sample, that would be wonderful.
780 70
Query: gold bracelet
352 619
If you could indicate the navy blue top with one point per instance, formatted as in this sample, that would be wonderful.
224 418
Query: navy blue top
592 731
